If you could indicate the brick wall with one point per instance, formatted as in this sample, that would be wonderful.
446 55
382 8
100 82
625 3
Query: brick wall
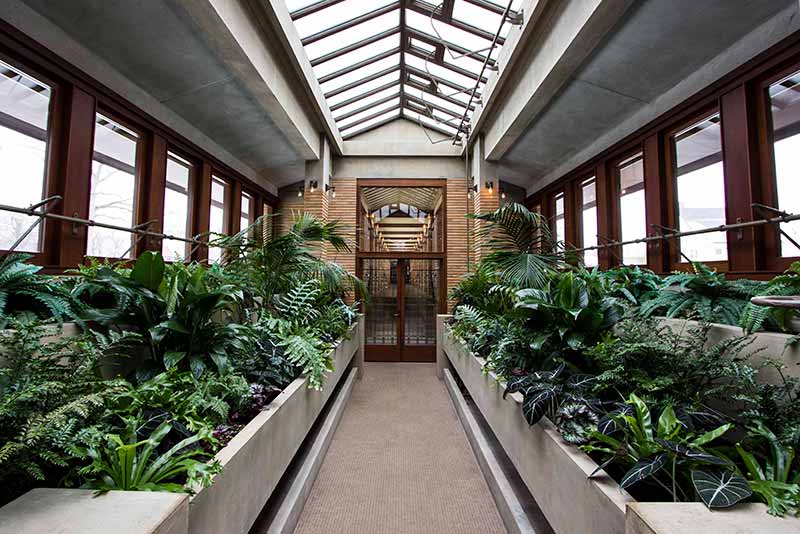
343 209
458 228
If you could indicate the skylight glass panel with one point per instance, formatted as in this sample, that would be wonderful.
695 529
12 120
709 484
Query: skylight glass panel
363 88
335 15
435 100
386 106
422 45
294 5
360 74
465 62
477 16
416 117
366 101
440 30
441 72
366 125
357 55
352 35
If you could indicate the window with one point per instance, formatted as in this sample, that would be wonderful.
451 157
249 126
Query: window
633 223
248 212
218 219
700 189
784 98
112 189
589 221
24 113
177 197
559 218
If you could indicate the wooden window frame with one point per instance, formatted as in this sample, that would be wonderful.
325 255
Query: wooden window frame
670 186
194 189
616 194
580 184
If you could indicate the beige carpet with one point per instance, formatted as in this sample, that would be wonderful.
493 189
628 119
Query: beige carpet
400 463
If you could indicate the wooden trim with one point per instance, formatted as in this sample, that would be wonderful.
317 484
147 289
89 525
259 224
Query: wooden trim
202 207
77 128
150 194
656 202
605 213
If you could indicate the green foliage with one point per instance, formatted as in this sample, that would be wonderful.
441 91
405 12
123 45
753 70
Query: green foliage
755 317
704 294
774 478
633 284
132 465
521 249
24 290
664 453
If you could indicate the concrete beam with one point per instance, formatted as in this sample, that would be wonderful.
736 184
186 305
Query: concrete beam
320 170
285 32
541 56
254 58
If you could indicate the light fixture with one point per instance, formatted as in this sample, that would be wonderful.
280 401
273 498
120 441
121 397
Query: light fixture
330 189
502 193
490 187
313 186
300 191
473 191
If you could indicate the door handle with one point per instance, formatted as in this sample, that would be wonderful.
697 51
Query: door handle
396 315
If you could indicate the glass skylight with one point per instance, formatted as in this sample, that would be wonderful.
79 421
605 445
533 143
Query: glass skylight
380 60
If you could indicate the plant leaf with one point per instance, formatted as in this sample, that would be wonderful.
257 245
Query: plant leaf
720 489
643 469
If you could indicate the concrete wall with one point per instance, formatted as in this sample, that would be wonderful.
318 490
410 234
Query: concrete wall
398 167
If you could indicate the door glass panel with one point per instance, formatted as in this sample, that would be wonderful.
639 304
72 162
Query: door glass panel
380 276
421 301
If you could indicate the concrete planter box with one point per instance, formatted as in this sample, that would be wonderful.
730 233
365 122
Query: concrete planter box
556 472
253 463
255 460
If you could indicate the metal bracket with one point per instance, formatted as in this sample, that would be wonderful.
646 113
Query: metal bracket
46 206
517 19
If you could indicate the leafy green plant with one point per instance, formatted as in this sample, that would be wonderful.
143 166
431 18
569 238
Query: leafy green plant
755 317
24 290
668 455
776 481
522 252
567 401
132 465
634 284
703 293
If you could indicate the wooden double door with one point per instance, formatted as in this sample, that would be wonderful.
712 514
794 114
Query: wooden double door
405 296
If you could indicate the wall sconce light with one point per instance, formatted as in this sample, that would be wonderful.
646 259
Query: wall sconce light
490 187
332 190
502 193
473 191
300 191
313 185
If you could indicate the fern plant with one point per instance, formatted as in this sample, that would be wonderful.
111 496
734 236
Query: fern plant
755 317
23 289
702 293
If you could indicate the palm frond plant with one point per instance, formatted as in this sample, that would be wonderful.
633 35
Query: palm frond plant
24 290
266 267
521 249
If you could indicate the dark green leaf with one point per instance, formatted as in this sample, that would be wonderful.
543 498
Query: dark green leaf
720 489
643 469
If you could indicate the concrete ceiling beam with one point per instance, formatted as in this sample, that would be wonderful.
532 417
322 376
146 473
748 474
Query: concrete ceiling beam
258 61
538 58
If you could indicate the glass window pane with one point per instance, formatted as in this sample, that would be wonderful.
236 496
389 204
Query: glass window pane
360 74
364 87
176 208
589 221
246 217
700 183
560 230
336 14
24 110
451 34
632 209
357 55
113 188
218 216
366 113
366 124
367 100
352 35
785 104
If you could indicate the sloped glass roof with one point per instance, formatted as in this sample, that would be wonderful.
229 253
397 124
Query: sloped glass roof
378 60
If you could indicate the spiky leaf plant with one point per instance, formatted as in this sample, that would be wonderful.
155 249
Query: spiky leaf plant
522 251
23 289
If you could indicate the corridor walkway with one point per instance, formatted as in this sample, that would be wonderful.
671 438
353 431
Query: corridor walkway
400 463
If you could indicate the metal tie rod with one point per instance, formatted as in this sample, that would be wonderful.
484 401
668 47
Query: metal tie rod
674 235
140 230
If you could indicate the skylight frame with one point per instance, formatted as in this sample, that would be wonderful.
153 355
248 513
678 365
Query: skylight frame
454 81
